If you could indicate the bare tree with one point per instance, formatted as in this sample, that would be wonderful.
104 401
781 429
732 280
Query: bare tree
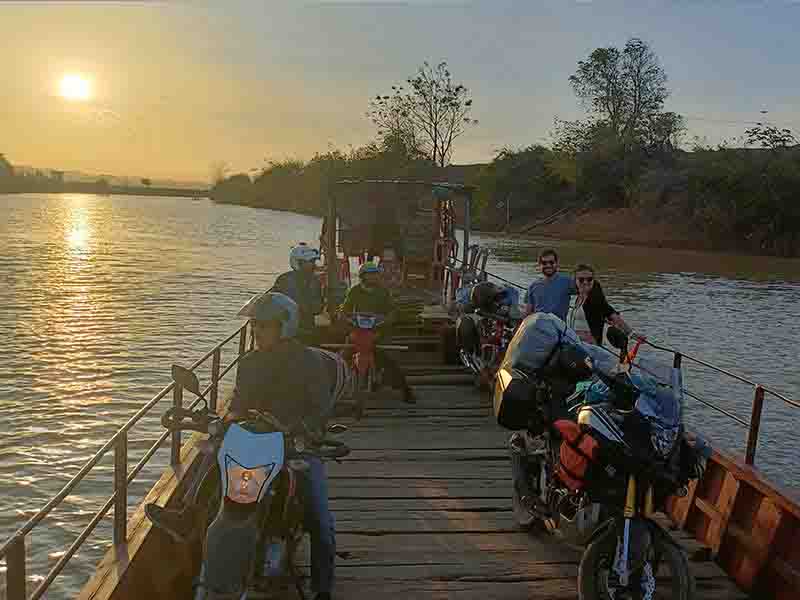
429 116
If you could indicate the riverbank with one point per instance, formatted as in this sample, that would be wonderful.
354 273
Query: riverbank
630 227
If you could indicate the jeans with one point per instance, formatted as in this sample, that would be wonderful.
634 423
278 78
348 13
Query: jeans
320 525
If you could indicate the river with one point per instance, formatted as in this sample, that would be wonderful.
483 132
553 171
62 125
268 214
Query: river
99 295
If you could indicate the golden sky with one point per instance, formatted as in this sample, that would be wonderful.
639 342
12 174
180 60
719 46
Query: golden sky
179 85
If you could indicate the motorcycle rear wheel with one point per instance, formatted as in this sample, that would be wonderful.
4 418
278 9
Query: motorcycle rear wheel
597 561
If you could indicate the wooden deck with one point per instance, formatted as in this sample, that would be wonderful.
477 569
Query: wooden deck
422 510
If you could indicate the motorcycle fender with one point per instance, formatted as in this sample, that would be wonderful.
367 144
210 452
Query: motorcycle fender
230 548
602 529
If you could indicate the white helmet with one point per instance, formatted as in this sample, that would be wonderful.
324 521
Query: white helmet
273 306
302 253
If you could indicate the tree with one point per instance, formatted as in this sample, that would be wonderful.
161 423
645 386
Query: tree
6 169
429 116
625 88
219 171
769 136
146 181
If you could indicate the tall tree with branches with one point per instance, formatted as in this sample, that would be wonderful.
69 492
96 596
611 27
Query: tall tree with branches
625 88
428 116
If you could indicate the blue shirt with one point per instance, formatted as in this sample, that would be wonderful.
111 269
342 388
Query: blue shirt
552 296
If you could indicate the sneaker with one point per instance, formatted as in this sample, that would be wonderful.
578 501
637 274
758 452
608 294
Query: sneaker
408 396
180 524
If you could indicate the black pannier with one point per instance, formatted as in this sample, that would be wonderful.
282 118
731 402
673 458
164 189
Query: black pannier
515 403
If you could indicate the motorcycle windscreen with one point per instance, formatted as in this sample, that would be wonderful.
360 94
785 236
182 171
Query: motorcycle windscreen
249 462
514 400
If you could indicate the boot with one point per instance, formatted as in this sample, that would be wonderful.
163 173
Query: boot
180 524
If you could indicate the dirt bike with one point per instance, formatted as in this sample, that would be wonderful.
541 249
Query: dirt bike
638 453
248 489
483 338
367 376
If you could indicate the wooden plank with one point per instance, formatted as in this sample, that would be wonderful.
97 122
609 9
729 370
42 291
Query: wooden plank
457 455
382 470
724 507
444 505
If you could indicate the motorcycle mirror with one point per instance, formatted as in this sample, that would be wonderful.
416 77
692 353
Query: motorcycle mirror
616 338
186 379
337 428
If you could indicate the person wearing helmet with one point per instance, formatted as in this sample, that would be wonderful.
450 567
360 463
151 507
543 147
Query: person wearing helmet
371 296
289 380
302 286
292 382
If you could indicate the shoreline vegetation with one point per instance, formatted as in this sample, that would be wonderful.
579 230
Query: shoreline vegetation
623 174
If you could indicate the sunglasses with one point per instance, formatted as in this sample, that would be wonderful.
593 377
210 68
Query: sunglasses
585 279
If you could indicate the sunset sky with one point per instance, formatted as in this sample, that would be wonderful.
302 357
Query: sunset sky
164 89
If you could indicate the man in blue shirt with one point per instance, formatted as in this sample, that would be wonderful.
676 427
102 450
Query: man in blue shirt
550 294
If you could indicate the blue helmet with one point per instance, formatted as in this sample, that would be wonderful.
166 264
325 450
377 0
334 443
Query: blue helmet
369 267
273 306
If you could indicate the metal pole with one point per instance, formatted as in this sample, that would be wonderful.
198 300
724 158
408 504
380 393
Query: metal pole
121 488
330 250
15 576
215 360
243 340
467 224
175 448
755 425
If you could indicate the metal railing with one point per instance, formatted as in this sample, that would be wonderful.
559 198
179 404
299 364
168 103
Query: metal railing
13 550
759 391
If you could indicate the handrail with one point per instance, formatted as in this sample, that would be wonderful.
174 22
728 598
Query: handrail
760 390
14 547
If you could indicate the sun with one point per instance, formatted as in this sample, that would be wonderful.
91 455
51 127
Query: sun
75 87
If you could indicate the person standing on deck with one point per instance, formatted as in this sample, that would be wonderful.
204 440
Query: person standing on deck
551 294
302 286
591 311
371 296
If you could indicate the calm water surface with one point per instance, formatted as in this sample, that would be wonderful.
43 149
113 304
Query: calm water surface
99 295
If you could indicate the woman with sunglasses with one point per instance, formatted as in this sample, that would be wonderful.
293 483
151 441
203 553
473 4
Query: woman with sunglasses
590 310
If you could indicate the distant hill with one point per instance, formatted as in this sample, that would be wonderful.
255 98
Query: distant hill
114 180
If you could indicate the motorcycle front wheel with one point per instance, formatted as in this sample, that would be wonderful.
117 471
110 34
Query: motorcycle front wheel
669 577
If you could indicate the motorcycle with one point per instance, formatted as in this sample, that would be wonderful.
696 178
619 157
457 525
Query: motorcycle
249 485
367 376
485 329
595 460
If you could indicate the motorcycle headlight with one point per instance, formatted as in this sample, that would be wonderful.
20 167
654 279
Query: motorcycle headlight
245 484
664 440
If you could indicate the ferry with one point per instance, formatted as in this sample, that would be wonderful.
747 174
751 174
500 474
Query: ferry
423 503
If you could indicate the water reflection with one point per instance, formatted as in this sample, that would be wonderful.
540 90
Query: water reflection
99 295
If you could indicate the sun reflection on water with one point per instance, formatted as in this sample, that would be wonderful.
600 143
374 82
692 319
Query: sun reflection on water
77 226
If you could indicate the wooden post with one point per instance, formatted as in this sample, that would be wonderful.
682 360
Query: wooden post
15 576
755 425
215 360
121 488
175 448
330 249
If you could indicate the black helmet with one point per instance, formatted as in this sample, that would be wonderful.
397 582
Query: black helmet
485 296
